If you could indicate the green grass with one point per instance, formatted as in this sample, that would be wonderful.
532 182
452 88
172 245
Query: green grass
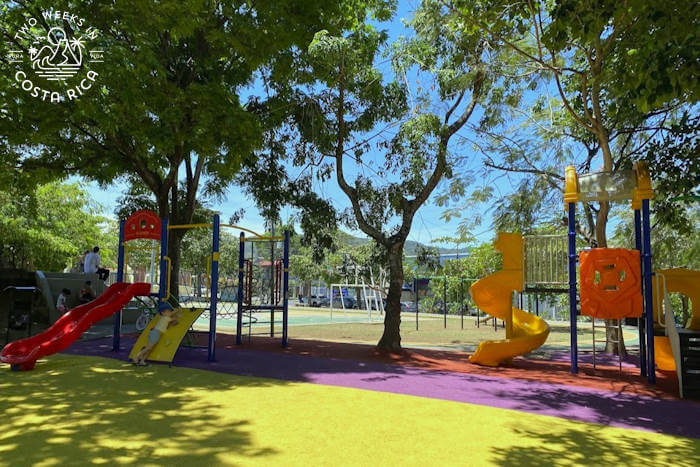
355 327
432 333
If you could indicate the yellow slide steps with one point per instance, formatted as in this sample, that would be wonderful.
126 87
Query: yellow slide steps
493 294
165 349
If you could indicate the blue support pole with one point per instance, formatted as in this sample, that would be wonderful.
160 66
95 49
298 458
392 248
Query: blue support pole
648 302
120 253
214 291
239 317
285 288
163 279
116 335
640 324
572 287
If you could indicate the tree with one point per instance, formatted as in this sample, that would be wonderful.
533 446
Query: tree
459 274
49 227
622 72
169 109
349 102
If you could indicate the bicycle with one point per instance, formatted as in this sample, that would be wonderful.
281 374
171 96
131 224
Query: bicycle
149 309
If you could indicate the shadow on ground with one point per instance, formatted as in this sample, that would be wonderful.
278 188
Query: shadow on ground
580 447
75 408
610 399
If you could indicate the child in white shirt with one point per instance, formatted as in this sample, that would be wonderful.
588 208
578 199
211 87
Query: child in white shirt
62 302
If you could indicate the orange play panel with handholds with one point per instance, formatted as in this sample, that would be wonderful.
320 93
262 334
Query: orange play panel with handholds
611 283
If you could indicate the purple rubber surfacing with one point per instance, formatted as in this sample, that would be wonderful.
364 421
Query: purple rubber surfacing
624 410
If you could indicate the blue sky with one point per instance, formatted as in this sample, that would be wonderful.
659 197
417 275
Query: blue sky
427 224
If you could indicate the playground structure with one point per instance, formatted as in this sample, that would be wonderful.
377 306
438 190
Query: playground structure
615 283
23 354
147 225
494 295
272 277
678 349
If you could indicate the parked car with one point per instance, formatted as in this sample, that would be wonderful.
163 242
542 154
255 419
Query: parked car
349 302
314 300
319 300
408 307
373 304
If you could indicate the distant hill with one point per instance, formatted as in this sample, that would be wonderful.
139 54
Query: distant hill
410 249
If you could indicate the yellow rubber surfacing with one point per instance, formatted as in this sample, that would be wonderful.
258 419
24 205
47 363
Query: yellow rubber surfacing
91 410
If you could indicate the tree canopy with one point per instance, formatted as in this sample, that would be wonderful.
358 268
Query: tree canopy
49 227
606 83
180 98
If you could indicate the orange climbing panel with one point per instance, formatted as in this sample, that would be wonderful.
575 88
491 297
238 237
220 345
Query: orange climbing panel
611 283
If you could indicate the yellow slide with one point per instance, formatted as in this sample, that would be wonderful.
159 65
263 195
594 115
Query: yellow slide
493 294
687 282
165 349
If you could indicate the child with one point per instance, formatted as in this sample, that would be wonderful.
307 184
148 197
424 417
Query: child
86 293
167 318
62 302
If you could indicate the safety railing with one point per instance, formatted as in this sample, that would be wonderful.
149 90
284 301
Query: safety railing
546 260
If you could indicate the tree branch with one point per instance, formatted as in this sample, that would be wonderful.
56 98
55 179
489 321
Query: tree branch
349 191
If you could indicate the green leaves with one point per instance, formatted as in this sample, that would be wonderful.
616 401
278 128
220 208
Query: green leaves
50 226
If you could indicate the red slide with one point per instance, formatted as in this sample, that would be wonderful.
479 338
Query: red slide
24 353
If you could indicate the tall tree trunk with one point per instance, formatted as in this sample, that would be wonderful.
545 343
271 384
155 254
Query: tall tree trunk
307 291
174 243
166 209
391 339
611 330
612 336
614 341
